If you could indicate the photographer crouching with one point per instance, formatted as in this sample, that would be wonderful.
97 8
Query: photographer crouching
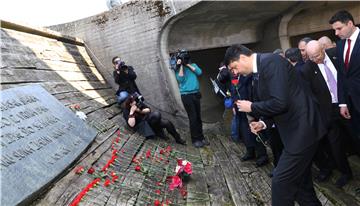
124 76
187 76
146 122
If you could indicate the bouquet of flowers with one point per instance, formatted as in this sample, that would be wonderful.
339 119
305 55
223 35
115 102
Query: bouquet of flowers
183 170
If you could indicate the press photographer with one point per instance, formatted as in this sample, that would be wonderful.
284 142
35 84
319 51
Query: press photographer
146 122
187 76
124 76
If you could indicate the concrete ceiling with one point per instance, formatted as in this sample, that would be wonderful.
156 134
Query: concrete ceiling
212 24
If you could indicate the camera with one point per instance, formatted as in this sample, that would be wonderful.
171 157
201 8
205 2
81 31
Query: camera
183 55
139 99
121 66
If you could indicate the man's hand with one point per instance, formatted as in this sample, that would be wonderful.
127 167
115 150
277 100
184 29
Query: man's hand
256 127
133 109
244 105
344 111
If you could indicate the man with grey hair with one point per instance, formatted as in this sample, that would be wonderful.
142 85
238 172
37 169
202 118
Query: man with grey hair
326 42
321 74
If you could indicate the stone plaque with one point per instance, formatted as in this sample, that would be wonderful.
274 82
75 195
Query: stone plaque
40 138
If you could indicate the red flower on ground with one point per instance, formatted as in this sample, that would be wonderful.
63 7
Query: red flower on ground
162 151
168 149
77 106
79 170
148 153
183 192
156 203
179 162
107 182
137 168
134 160
114 178
91 170
188 168
158 192
175 182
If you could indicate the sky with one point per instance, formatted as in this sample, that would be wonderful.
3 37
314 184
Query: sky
49 12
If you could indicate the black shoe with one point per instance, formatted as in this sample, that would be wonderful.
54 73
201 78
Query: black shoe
262 161
198 144
247 157
343 180
205 142
180 141
323 176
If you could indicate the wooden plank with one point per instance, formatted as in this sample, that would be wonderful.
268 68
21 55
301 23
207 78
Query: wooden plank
198 193
236 182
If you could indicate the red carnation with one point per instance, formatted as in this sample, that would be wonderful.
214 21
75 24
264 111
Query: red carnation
175 182
188 168
137 168
162 151
114 178
156 203
168 149
79 170
157 192
235 82
183 192
91 170
148 153
107 182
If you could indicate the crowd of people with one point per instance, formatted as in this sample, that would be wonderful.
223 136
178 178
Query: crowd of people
305 102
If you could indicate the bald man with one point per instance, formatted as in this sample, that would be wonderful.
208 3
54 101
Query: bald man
326 42
321 74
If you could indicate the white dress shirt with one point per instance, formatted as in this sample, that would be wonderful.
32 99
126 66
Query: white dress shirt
353 38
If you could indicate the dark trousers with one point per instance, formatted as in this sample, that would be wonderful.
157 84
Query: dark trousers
292 180
275 143
330 150
157 123
355 122
192 106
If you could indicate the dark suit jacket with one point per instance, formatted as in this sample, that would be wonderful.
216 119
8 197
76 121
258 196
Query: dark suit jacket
315 80
283 99
349 81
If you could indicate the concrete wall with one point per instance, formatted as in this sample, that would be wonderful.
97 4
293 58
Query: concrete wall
131 31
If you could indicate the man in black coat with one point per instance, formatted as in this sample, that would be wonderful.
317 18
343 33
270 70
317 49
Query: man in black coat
283 101
348 56
124 76
321 75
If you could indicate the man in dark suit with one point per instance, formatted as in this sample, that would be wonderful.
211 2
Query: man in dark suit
348 50
321 75
283 101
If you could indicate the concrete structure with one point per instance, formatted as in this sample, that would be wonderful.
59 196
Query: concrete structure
143 33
